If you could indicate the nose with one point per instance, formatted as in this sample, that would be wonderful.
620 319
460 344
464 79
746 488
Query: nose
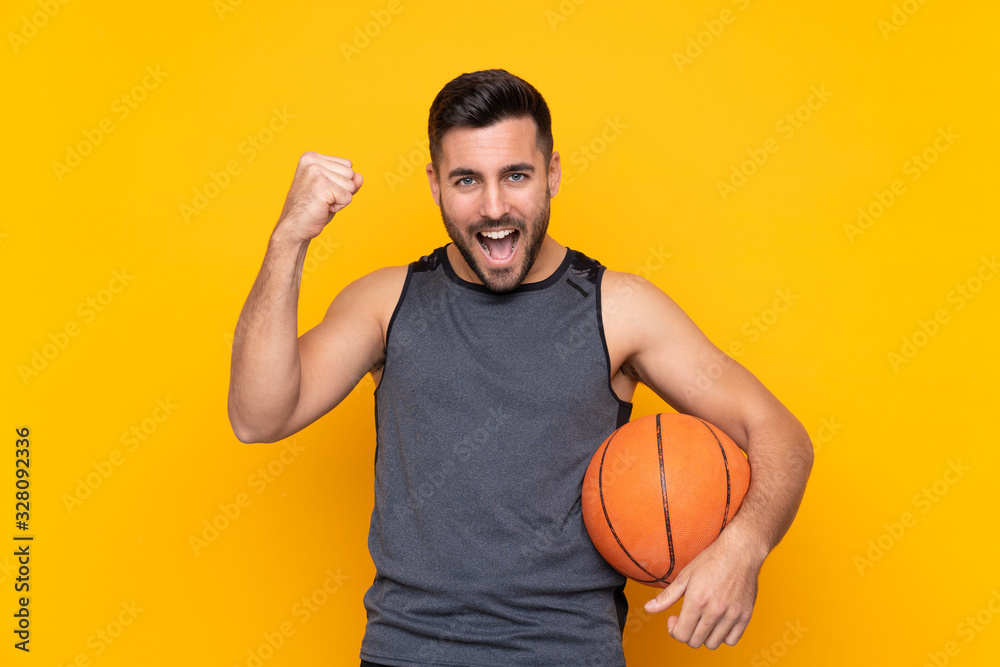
493 204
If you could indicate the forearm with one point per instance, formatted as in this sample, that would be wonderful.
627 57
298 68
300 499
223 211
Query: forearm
266 374
780 455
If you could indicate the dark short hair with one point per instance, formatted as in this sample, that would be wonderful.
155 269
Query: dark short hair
480 99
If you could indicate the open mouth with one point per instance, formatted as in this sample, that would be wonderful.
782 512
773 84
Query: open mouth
499 245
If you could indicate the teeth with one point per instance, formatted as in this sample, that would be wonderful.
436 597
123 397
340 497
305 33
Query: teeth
498 234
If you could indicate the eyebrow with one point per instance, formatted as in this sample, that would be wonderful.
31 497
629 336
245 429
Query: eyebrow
465 171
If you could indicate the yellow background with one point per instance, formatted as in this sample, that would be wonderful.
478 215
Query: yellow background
649 188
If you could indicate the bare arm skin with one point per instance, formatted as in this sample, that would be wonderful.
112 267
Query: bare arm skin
651 340
280 382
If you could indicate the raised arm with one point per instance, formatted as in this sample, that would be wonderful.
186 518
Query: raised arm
654 342
280 382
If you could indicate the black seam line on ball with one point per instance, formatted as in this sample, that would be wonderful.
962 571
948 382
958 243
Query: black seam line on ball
600 489
663 489
725 464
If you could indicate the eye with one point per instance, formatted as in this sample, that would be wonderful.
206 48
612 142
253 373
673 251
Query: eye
518 177
467 180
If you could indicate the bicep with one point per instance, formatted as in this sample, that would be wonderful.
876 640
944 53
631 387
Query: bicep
335 354
672 356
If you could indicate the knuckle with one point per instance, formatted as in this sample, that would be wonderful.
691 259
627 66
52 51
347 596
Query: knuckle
312 168
734 614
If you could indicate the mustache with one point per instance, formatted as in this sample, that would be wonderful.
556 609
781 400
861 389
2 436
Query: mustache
506 222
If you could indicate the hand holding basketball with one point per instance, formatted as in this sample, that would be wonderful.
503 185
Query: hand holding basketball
719 588
323 185
657 499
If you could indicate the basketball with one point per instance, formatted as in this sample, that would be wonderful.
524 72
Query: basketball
658 491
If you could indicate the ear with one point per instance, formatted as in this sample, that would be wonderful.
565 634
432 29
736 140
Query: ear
434 183
555 174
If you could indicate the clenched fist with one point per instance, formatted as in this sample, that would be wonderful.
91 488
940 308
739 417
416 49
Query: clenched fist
322 186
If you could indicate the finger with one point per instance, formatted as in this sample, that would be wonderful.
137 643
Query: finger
703 630
333 189
358 181
719 633
341 197
667 598
339 169
735 633
687 622
326 160
336 172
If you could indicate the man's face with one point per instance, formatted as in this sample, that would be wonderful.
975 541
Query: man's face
494 187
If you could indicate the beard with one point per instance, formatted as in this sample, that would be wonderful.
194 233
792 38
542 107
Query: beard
529 241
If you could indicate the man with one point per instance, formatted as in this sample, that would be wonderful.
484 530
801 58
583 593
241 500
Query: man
502 361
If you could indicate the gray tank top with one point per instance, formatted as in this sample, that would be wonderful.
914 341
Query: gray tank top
488 412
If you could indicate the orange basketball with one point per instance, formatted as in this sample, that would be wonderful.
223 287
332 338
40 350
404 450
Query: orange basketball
659 490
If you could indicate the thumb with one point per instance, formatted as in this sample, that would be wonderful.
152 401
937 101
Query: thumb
358 180
666 599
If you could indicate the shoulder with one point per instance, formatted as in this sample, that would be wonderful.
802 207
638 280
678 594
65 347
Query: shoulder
379 282
381 289
372 292
629 294
639 318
